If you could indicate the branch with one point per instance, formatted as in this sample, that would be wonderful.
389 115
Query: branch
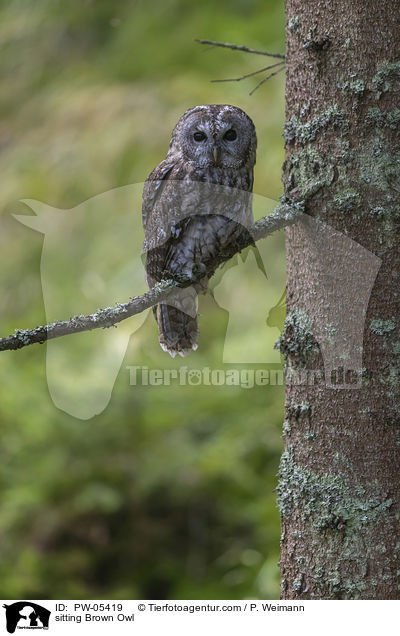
239 79
237 47
265 79
284 214
102 318
246 49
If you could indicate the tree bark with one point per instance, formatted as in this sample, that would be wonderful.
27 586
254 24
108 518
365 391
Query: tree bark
339 475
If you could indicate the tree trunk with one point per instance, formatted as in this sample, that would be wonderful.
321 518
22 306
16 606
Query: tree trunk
339 474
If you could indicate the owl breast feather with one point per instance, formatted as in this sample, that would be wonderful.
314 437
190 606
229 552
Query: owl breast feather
173 195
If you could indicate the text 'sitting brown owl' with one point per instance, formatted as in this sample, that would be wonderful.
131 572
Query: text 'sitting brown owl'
195 203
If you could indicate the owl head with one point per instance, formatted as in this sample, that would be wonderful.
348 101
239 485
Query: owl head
215 135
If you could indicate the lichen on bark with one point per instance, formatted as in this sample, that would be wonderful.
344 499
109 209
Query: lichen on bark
303 132
338 515
297 343
386 77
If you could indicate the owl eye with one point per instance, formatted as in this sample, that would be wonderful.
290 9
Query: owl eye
199 136
230 135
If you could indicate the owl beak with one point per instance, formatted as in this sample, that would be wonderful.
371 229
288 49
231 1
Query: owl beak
215 154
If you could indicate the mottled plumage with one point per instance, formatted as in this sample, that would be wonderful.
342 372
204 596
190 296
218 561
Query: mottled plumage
195 203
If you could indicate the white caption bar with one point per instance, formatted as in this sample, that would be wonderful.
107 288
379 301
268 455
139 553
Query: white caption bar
197 617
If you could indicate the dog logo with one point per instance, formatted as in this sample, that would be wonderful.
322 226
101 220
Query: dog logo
26 615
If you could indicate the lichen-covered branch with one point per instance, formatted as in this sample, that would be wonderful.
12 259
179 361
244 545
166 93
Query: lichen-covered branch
285 214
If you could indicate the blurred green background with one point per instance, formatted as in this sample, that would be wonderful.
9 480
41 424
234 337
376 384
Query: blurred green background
169 492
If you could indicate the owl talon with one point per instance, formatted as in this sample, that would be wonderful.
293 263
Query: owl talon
175 232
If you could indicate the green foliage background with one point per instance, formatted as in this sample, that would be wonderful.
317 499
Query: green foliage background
169 493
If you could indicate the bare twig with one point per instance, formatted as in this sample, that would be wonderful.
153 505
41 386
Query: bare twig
239 79
285 214
237 47
266 79
246 49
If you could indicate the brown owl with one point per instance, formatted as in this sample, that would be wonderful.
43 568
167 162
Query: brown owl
196 203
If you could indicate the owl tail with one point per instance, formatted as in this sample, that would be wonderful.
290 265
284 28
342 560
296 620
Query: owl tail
177 330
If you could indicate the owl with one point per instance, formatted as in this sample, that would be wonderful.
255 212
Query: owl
197 204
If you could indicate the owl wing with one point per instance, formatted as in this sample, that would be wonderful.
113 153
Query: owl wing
163 209
154 245
153 189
